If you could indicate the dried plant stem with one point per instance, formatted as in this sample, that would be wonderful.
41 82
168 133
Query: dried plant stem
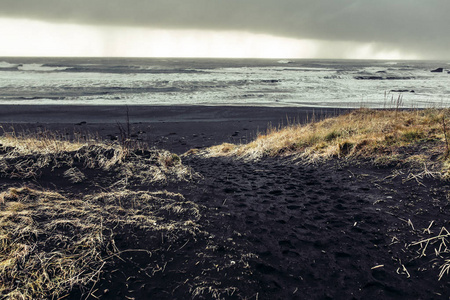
444 127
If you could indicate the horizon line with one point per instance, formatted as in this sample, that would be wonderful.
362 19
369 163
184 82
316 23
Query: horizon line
219 57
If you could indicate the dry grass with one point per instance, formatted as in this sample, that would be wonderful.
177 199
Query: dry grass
50 244
435 246
384 136
40 142
28 156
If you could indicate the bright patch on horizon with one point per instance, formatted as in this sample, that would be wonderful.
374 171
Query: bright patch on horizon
22 37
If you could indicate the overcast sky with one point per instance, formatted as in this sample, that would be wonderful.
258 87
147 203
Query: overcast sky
328 28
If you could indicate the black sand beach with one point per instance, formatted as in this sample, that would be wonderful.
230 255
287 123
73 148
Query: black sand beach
175 128
276 230
153 114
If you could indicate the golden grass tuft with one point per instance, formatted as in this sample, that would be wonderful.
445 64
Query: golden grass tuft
50 244
363 133
27 157
41 142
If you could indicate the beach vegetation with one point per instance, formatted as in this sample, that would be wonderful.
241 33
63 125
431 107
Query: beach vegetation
411 135
27 156
332 136
435 244
380 136
109 208
51 244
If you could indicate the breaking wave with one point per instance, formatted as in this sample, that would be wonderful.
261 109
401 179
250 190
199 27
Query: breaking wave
253 82
40 68
7 65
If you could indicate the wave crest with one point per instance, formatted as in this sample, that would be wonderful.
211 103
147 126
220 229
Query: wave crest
40 68
7 65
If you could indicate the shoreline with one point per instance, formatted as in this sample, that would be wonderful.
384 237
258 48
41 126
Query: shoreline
174 128
153 113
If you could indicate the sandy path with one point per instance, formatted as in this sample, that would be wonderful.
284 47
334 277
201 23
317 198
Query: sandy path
317 232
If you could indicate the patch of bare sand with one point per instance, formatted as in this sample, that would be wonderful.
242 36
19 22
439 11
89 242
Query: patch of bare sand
329 231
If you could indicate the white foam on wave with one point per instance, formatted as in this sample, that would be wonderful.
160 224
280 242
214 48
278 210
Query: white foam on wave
7 65
265 85
284 61
40 68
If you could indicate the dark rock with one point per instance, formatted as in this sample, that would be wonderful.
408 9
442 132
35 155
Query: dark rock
438 70
398 78
403 91
369 78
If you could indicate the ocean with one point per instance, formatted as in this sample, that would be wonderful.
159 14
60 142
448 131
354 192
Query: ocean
229 82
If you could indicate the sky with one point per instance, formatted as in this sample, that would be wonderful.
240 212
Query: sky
355 29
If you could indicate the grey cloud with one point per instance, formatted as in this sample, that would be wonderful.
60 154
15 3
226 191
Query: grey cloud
410 25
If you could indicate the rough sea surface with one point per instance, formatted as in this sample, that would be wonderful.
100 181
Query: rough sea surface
243 82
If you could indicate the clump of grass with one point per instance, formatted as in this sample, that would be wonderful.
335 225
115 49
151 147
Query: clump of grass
28 157
40 142
412 135
332 135
363 133
75 175
50 244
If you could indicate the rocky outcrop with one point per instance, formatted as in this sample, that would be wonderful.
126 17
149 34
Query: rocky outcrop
438 70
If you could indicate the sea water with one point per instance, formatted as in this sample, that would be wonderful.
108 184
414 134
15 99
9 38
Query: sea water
243 82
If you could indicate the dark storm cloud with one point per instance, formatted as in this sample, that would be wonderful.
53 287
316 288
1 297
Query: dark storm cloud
417 26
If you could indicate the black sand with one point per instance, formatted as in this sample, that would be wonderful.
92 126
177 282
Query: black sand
175 128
